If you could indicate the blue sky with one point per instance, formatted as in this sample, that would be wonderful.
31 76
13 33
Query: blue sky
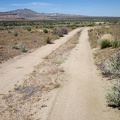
82 7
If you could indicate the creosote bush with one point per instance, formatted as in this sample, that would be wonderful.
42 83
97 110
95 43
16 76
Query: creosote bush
105 43
9 31
15 46
48 40
45 31
15 33
28 28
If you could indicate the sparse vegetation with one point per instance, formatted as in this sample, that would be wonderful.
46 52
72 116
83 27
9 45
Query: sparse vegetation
56 28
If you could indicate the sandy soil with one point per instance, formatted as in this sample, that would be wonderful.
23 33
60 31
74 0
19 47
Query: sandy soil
65 85
82 96
29 39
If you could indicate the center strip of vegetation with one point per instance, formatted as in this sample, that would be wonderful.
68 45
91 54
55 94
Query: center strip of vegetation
26 100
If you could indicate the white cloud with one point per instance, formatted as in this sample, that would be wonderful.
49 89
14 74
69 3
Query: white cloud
40 4
2 9
16 4
33 4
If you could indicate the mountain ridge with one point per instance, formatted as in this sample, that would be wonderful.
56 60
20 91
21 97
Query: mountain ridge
30 13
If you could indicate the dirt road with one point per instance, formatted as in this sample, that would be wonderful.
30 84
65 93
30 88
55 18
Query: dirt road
17 70
78 94
82 96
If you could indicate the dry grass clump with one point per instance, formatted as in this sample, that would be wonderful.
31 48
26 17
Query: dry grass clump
108 37
107 27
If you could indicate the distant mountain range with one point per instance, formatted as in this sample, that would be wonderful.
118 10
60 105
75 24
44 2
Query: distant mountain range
28 13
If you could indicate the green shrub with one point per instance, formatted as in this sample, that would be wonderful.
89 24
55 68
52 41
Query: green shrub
74 27
15 46
20 47
28 28
45 31
60 34
105 44
113 94
15 33
48 40
116 43
9 31
1 28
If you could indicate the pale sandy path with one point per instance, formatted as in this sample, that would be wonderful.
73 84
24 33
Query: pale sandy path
17 70
82 96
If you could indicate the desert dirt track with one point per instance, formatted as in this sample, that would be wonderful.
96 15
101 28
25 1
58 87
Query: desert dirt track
81 95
